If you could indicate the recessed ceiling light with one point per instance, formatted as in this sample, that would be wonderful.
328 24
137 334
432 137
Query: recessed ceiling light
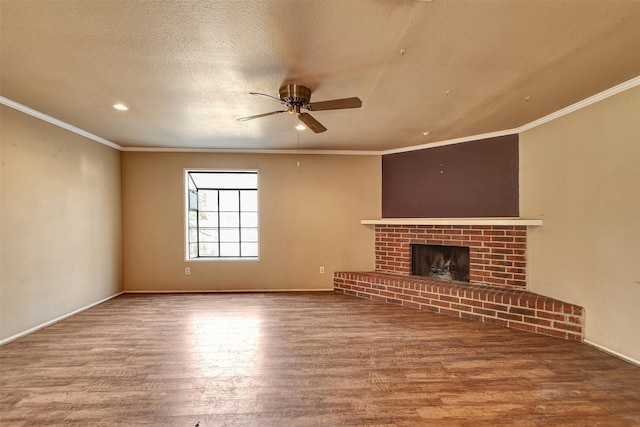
120 107
426 133
301 127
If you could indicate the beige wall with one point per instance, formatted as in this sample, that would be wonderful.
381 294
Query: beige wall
581 175
60 222
309 217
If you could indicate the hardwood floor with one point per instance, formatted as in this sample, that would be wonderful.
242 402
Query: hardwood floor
302 359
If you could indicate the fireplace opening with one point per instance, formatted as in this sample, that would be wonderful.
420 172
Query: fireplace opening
442 262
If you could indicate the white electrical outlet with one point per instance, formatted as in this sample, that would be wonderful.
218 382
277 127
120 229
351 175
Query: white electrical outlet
322 270
187 270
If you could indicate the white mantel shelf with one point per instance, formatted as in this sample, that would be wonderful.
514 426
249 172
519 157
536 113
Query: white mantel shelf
452 221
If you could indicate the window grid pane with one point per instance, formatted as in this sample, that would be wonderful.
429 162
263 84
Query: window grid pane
249 219
249 249
230 200
208 235
208 250
193 218
230 235
229 219
207 219
249 235
207 200
248 200
230 249
193 235
193 250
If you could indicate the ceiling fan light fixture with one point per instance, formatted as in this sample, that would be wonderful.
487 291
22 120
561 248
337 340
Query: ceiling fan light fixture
120 107
300 126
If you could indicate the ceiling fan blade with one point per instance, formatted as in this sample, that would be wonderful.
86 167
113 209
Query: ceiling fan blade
311 123
268 96
244 119
335 104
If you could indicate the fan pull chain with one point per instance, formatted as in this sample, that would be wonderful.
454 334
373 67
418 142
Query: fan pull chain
298 132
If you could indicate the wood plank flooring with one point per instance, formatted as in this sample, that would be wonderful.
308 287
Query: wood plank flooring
302 359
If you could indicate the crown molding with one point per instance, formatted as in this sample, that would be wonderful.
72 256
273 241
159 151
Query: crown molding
629 84
450 141
64 125
250 151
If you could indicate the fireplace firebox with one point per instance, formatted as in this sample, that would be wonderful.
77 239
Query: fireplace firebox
442 262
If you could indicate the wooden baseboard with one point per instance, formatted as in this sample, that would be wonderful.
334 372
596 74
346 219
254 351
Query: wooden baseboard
220 291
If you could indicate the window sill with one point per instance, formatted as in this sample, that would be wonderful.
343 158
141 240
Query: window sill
218 259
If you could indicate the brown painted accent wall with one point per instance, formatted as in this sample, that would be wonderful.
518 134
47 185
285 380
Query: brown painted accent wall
472 179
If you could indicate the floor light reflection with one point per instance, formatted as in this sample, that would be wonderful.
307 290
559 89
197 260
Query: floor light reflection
226 346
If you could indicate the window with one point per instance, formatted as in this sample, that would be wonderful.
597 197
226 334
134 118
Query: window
222 214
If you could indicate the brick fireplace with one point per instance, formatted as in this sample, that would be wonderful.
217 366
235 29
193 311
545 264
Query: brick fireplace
497 290
496 252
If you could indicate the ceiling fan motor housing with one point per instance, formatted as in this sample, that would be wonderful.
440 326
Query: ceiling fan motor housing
295 94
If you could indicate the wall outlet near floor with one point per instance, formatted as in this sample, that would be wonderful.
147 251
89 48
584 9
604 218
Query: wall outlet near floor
187 270
322 270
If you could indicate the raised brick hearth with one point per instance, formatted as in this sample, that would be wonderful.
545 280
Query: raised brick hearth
517 309
497 292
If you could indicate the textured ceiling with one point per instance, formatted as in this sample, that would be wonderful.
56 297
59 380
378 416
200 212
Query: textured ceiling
186 68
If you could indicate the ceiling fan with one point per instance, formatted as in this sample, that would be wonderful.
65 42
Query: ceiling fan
296 98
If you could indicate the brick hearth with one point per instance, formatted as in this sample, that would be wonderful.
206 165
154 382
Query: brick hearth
517 309
497 290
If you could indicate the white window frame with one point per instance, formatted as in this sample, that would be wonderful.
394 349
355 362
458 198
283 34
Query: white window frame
186 178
